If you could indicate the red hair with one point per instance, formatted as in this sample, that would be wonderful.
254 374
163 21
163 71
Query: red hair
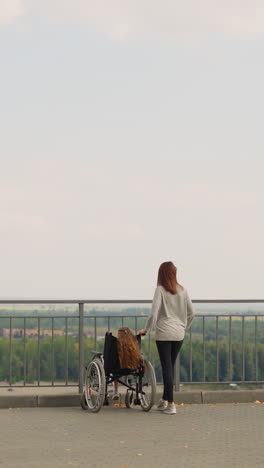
167 277
128 349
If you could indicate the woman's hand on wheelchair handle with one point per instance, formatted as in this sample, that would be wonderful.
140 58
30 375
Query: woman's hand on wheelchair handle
142 332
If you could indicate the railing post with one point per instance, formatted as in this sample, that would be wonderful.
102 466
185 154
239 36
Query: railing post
10 350
81 348
177 374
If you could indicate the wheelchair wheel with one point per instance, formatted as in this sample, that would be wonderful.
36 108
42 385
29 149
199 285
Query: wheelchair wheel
130 394
129 398
148 383
95 385
84 402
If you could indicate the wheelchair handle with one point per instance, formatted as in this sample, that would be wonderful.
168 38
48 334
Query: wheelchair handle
138 337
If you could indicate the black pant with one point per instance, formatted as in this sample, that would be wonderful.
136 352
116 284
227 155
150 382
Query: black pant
168 352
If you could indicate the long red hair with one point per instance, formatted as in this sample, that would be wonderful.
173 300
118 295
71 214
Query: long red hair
167 277
128 349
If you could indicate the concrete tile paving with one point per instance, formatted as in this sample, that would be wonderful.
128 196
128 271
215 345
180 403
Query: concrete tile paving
200 436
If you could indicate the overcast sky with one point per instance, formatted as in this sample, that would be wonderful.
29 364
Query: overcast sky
131 134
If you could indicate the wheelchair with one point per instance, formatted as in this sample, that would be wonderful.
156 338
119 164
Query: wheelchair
104 368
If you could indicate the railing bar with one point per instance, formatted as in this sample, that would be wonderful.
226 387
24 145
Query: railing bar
177 373
125 301
225 316
136 324
38 363
256 346
24 354
243 349
81 346
230 348
10 350
204 371
108 324
122 321
217 348
95 333
190 351
52 351
66 352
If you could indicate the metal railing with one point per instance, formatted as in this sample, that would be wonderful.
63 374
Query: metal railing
196 343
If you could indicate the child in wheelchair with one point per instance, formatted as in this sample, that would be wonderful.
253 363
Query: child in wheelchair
122 363
128 351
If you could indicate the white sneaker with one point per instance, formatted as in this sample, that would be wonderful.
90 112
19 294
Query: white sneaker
162 405
171 409
115 396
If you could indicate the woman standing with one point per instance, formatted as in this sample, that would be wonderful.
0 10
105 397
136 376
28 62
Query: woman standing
172 312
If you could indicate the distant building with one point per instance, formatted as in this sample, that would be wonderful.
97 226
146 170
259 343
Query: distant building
30 333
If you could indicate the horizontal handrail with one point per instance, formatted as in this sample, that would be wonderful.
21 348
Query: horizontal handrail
124 301
120 316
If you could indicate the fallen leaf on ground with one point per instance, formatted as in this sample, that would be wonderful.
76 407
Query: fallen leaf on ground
258 402
185 446
139 454
213 406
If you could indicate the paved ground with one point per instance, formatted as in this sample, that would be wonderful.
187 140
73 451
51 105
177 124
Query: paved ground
223 435
38 390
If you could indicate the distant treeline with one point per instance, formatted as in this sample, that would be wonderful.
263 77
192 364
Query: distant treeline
207 326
